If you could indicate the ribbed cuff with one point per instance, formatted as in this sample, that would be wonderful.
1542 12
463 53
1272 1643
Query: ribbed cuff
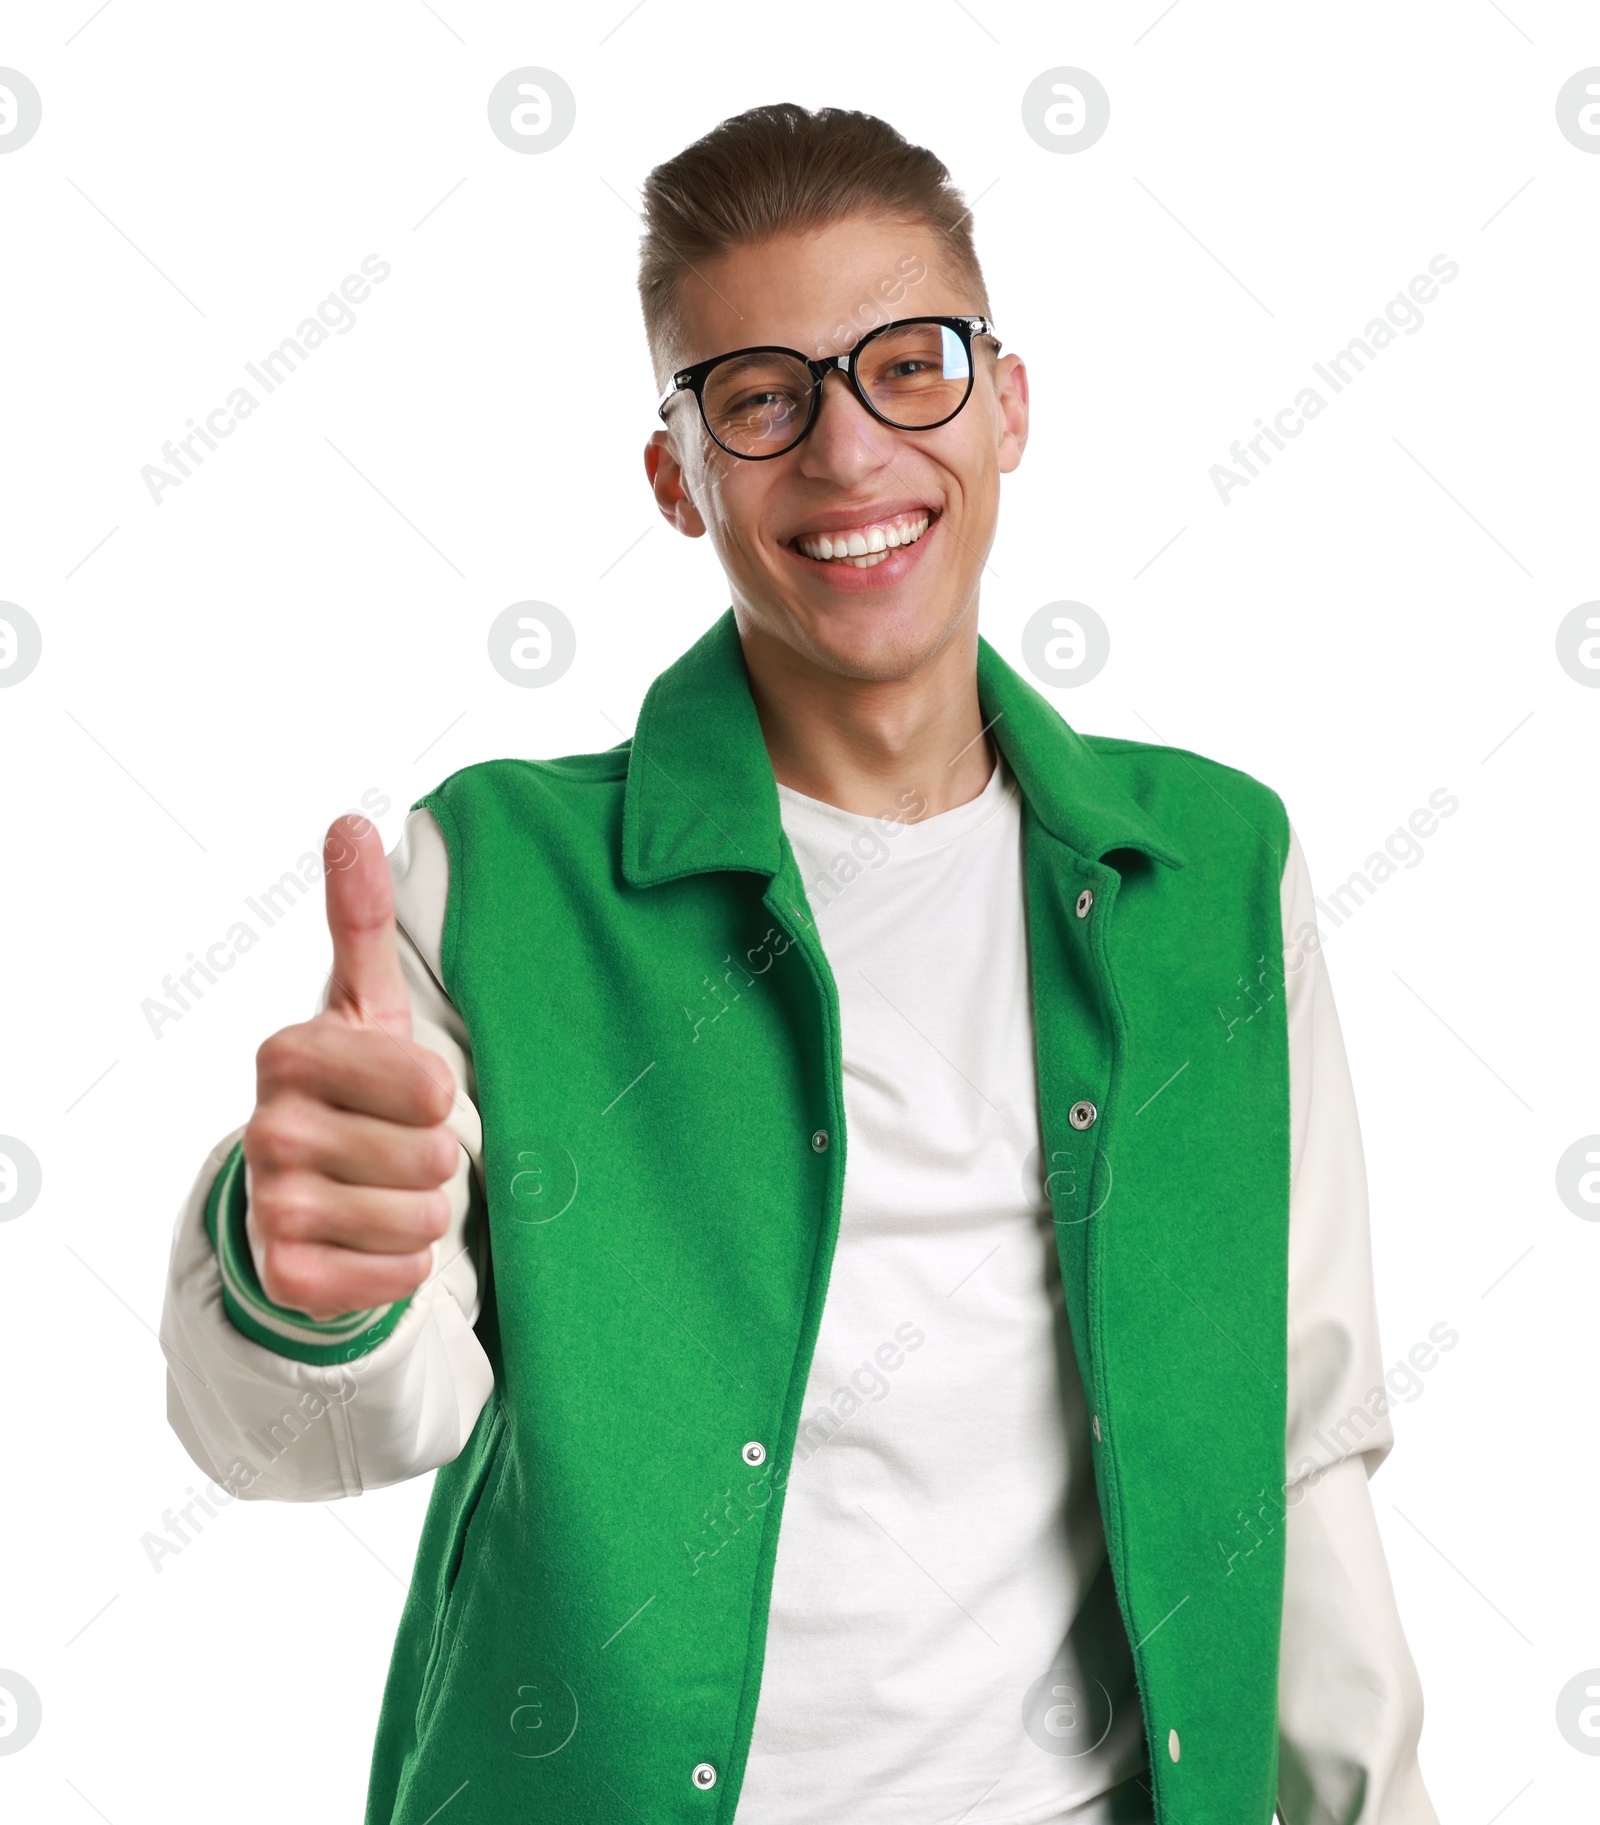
277 1327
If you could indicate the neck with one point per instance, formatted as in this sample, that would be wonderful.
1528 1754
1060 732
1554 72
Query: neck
872 746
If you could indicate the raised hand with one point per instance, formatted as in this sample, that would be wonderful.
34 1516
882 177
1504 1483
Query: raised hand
347 1146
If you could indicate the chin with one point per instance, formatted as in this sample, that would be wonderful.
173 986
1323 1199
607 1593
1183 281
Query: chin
875 643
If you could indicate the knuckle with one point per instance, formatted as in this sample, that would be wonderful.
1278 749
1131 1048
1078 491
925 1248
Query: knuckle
288 1278
413 1223
420 1224
281 1057
437 1085
444 1151
412 1270
289 1209
276 1139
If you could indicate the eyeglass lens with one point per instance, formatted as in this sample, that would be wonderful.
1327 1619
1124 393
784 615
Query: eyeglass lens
916 375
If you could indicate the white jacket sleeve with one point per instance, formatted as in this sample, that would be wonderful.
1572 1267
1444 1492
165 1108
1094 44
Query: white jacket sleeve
273 1405
1349 1700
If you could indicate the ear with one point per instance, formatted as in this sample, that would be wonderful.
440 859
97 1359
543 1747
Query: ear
1011 390
661 465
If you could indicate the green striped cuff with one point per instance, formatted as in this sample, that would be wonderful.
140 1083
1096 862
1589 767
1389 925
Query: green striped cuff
277 1327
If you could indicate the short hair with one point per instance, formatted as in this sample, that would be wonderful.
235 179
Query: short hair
785 169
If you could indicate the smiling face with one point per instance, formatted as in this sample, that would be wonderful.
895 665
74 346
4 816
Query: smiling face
821 546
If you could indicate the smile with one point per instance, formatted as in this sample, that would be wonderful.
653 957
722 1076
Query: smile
866 545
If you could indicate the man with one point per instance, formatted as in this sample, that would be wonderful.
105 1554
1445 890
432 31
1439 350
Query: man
856 1190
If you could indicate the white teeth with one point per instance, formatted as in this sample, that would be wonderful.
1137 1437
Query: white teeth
864 547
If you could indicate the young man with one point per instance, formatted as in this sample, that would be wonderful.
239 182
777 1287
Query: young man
856 1191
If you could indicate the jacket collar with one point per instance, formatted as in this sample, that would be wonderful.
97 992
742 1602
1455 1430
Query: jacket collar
701 793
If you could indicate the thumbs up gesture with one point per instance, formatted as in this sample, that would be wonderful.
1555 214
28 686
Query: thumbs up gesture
347 1146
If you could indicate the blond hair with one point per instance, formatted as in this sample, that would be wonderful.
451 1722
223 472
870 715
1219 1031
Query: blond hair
785 169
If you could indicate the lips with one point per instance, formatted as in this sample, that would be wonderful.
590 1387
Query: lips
867 544
865 549
861 515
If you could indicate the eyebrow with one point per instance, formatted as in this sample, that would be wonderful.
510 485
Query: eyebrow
750 360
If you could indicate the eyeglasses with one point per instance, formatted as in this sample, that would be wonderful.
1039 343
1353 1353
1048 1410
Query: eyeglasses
913 374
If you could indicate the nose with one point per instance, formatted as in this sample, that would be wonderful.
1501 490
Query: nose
845 435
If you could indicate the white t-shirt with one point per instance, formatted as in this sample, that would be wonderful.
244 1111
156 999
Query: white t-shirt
944 1641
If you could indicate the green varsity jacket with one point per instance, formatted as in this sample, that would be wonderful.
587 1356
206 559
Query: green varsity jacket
655 1035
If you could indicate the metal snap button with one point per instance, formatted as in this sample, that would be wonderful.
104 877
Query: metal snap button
1085 901
704 1775
819 1141
1083 1115
755 1452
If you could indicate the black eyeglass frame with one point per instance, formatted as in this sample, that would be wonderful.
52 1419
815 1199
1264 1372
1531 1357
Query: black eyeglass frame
693 379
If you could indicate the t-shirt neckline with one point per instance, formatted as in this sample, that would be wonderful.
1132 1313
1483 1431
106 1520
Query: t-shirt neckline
823 823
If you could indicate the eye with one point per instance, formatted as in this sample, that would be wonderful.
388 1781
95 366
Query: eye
759 401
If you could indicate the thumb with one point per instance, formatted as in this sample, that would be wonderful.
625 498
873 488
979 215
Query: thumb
366 981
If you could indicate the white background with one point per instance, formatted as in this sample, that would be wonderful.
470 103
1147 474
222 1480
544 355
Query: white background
304 618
